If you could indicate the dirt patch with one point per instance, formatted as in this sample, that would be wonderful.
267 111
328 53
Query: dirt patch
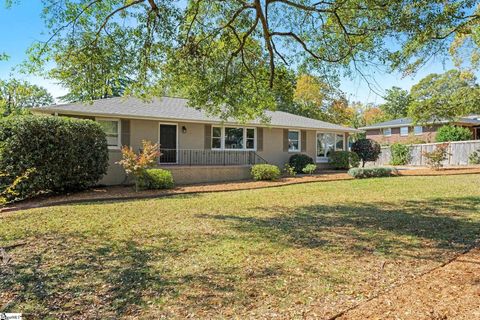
127 192
448 292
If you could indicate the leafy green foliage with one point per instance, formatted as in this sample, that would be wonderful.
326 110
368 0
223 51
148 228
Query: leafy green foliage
233 50
155 179
367 150
59 154
444 96
396 103
309 168
400 154
289 170
436 157
17 96
299 161
450 133
265 172
474 157
374 172
344 160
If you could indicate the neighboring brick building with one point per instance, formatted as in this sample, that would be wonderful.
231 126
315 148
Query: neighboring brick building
405 131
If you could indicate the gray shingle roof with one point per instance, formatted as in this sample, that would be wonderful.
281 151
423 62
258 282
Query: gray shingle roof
409 122
167 108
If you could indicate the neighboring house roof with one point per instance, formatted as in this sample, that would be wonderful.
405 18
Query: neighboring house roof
176 109
402 122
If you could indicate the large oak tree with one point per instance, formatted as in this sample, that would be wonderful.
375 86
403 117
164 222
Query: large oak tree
228 56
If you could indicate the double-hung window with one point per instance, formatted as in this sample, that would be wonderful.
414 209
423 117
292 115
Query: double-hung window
216 138
404 131
233 138
293 141
418 130
112 130
387 132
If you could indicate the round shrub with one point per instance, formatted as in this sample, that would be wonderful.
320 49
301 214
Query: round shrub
57 154
367 150
450 133
344 160
309 169
155 179
265 172
400 154
299 161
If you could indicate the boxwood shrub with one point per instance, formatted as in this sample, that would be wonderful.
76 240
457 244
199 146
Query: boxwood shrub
299 161
374 172
344 160
49 154
155 179
265 172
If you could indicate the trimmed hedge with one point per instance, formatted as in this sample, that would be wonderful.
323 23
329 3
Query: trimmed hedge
344 160
265 172
300 161
374 172
155 179
52 154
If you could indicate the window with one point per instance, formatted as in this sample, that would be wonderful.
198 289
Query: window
250 138
293 141
387 132
216 138
112 130
404 131
339 142
418 130
233 138
328 142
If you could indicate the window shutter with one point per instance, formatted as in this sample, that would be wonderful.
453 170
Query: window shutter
303 141
125 132
285 140
208 137
259 139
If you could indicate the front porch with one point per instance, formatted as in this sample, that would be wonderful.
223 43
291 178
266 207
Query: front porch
205 157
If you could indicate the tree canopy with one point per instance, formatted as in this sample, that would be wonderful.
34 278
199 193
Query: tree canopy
396 103
231 57
444 96
17 96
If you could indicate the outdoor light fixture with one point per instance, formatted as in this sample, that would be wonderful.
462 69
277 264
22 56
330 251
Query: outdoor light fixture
184 129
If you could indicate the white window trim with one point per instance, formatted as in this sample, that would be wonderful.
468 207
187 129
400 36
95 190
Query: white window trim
325 159
176 140
415 132
119 145
222 138
299 141
387 135
403 134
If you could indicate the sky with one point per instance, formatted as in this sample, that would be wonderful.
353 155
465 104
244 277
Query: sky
22 24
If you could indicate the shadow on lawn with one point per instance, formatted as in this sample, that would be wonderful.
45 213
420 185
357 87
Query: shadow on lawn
390 228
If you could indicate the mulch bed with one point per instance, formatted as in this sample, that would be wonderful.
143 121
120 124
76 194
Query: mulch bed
127 192
451 291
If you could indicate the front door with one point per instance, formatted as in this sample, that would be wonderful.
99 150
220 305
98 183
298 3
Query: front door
168 143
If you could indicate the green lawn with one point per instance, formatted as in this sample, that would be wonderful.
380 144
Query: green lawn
304 250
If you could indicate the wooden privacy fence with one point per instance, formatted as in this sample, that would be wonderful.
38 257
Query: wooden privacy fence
459 152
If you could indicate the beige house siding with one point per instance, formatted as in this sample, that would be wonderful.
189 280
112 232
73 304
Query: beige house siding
134 131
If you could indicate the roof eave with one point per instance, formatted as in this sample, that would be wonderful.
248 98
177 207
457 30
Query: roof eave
46 110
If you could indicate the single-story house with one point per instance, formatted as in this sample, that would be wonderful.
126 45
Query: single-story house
404 130
197 147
